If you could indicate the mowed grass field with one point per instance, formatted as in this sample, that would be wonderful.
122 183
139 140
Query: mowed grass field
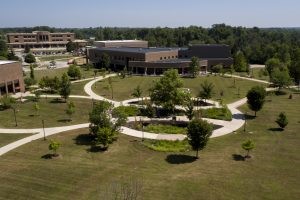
51 111
255 73
273 172
58 72
123 88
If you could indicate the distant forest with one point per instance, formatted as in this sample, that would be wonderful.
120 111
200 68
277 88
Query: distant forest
258 45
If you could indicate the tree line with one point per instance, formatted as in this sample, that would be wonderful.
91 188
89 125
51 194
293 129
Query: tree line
248 45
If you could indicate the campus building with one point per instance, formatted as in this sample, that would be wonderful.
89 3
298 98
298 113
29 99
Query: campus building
11 77
42 42
141 59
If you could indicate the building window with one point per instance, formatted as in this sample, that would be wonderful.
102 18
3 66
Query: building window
16 36
165 57
161 58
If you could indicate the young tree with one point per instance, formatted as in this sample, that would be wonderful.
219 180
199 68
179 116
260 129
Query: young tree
36 109
198 133
282 120
240 62
106 61
54 146
70 110
12 56
166 91
65 87
111 87
74 72
194 66
206 91
29 58
189 111
37 95
32 72
137 92
248 146
256 98
102 128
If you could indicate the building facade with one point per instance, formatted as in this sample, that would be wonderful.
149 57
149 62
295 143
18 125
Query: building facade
154 61
40 41
11 77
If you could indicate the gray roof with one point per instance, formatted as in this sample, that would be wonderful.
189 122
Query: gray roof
136 50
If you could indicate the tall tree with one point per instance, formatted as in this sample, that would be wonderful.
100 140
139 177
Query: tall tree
71 46
65 87
105 61
281 77
29 58
240 62
198 133
256 98
166 91
194 66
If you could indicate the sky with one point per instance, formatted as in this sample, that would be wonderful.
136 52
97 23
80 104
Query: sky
149 13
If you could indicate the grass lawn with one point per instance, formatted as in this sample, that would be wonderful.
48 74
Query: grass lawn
53 114
58 72
49 58
123 87
6 138
273 172
78 88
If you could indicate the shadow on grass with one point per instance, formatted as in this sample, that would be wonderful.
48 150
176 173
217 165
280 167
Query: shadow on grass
238 157
180 159
57 100
84 139
249 117
275 129
96 149
64 120
48 156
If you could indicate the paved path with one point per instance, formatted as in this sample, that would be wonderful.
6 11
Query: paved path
92 94
39 134
227 126
249 79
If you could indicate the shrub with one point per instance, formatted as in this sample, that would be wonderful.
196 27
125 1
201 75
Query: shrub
7 102
54 146
162 128
282 120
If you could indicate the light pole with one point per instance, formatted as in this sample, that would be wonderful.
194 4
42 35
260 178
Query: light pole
44 129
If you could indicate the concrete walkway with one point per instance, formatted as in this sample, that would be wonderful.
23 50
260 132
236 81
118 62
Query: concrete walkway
249 79
227 126
39 134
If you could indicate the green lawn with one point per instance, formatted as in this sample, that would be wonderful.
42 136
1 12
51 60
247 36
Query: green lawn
163 128
53 114
48 58
58 72
78 88
123 87
6 138
273 172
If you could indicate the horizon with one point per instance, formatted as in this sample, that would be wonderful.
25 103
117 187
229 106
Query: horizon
136 14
